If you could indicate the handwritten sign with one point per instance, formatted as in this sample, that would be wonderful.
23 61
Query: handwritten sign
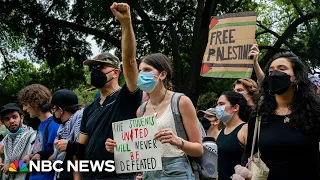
136 149
230 38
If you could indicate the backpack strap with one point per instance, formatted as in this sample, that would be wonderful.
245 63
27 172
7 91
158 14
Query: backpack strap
143 108
181 132
46 134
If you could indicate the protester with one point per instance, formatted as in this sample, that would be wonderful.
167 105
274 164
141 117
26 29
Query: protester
290 111
231 110
155 73
34 99
115 103
67 112
248 88
19 139
210 123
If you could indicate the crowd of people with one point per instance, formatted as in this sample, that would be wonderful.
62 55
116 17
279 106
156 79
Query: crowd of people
284 96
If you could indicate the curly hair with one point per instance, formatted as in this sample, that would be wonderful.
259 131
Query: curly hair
36 95
305 105
249 84
236 98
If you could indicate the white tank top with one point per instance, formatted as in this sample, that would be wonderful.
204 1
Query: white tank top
166 120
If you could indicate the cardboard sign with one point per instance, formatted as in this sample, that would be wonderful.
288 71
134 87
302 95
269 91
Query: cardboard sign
136 150
230 38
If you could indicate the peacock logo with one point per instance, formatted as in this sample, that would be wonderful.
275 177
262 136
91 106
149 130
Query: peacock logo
18 166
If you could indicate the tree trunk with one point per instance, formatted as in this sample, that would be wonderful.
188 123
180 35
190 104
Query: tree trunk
199 42
176 58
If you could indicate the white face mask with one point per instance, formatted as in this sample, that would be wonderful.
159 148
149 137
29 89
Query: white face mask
222 114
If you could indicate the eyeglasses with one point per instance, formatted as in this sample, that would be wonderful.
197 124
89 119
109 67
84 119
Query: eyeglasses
54 110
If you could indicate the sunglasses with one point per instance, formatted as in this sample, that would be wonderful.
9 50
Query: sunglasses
98 66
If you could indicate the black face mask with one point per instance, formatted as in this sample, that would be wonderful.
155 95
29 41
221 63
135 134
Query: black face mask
98 78
279 82
205 123
57 120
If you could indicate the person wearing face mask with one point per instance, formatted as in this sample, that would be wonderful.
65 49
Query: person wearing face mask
19 139
290 121
248 88
231 110
154 77
67 112
115 103
210 123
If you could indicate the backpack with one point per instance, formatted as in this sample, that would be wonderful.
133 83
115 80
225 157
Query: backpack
198 164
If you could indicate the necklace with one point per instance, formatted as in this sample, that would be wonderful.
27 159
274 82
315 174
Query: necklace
287 118
155 108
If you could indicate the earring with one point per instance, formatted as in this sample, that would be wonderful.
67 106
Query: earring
271 94
297 87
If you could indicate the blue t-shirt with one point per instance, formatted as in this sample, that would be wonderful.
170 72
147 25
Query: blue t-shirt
43 144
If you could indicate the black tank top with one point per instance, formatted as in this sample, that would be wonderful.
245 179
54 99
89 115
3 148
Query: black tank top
230 151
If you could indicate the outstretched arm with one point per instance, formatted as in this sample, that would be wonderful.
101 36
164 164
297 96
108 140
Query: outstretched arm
128 44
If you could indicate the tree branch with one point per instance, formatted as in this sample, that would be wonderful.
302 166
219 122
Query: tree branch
289 32
271 48
76 27
260 33
147 26
267 30
295 5
50 8
6 61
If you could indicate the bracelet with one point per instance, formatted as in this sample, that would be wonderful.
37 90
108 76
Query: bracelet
182 144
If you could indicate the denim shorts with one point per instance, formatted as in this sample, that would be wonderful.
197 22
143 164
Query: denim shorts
173 168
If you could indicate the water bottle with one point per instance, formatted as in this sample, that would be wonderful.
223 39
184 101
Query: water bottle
211 156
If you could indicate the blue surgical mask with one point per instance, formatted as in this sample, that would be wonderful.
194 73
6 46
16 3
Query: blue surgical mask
222 115
242 93
146 81
14 134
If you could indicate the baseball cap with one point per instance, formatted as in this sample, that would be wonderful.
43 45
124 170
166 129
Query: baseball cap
104 58
210 111
9 107
63 97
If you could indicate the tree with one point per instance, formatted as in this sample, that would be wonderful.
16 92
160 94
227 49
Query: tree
55 32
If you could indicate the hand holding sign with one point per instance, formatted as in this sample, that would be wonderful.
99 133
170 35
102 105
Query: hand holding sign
167 136
110 145
134 146
254 52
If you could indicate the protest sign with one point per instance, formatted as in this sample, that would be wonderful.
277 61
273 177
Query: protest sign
230 38
136 150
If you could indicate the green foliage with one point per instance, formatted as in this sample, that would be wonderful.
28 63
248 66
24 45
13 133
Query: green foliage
207 100
53 33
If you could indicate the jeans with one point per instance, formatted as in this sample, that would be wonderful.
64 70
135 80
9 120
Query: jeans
173 168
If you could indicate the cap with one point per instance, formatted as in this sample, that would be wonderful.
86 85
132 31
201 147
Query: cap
210 111
105 58
9 107
63 97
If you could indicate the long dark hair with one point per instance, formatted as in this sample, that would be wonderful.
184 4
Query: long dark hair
236 98
305 107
